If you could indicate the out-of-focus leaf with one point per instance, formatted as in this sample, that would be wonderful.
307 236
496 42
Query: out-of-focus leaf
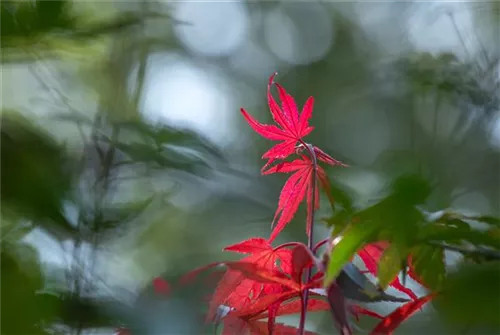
73 117
456 223
393 162
487 219
356 286
339 221
11 229
53 14
165 158
471 296
411 189
397 215
341 197
21 278
112 216
164 135
447 234
339 307
90 312
35 173
165 147
390 264
428 265
353 239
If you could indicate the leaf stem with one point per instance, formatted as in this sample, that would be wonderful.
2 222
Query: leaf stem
310 224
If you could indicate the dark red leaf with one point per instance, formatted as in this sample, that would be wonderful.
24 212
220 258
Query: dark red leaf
338 308
261 274
161 286
301 259
293 307
393 320
263 304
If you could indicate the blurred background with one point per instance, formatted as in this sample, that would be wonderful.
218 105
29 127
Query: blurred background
125 157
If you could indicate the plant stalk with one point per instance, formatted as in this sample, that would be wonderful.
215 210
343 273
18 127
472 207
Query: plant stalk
310 223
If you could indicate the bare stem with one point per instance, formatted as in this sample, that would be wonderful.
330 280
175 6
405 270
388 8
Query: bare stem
310 223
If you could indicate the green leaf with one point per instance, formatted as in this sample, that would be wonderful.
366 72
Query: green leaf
338 221
21 278
354 238
114 215
341 197
390 264
411 189
471 296
428 263
447 234
35 177
491 220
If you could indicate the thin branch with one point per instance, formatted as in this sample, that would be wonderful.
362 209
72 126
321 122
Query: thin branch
310 224
486 253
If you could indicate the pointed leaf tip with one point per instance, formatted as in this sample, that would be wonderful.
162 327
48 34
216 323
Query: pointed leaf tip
271 78
389 324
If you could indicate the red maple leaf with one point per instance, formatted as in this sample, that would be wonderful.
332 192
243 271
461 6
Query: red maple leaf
393 320
246 321
297 187
262 291
293 126
235 289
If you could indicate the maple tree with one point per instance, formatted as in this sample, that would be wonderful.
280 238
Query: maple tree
295 278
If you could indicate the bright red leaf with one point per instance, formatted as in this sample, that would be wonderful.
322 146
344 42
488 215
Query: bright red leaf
294 191
236 290
292 125
393 320
358 310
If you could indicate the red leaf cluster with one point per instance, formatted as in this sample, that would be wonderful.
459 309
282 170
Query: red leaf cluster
291 128
274 281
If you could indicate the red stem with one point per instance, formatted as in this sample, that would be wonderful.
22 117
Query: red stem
311 209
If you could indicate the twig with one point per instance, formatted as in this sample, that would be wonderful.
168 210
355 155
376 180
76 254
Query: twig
487 253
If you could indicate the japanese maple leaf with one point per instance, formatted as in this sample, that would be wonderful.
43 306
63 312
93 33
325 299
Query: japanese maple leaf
370 255
276 303
291 126
297 187
247 322
235 289
388 324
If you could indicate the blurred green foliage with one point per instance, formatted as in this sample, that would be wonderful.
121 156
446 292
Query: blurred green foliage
115 192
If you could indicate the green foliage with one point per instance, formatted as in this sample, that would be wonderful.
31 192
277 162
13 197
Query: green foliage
353 239
35 173
164 147
397 218
31 19
391 263
22 312
428 263
471 296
